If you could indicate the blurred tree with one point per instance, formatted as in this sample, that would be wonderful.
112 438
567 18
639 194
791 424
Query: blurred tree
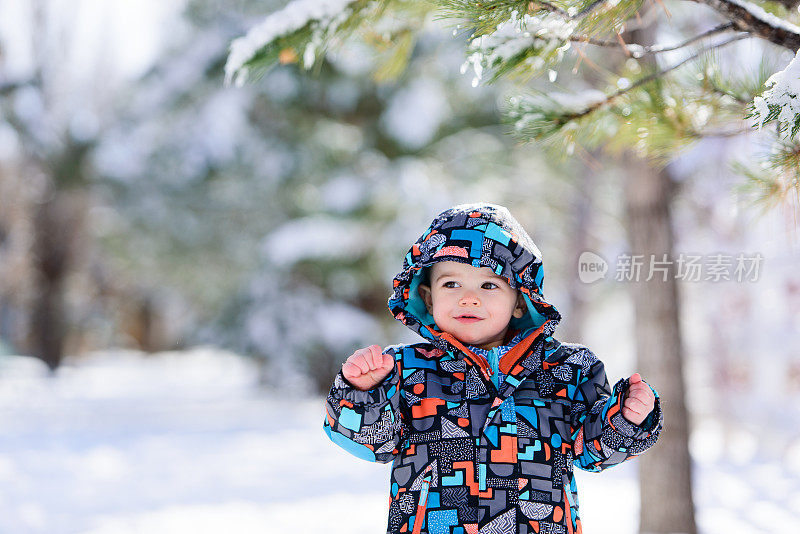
309 175
57 136
60 94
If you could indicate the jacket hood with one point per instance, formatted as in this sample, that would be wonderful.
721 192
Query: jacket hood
482 235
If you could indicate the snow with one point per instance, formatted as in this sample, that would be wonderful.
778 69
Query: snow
121 443
546 32
182 442
529 109
783 93
341 325
415 113
758 13
328 14
344 193
315 237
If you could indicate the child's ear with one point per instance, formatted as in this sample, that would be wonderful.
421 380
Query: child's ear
427 297
520 308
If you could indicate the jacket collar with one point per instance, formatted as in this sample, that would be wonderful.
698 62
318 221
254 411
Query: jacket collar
536 349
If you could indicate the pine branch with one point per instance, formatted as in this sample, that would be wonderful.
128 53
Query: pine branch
713 31
571 13
597 42
649 78
658 120
547 6
638 51
722 92
522 44
298 31
304 30
588 10
788 4
748 17
508 42
395 56
778 183
483 17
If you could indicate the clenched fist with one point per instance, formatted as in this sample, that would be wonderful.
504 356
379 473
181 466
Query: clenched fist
367 368
639 402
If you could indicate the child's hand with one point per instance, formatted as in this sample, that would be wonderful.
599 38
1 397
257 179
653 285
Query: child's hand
639 402
367 368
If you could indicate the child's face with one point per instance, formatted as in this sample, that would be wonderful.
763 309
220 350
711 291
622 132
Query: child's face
473 304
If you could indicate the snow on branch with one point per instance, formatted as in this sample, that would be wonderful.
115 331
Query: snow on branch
573 13
788 4
780 102
748 17
540 115
322 17
543 115
529 40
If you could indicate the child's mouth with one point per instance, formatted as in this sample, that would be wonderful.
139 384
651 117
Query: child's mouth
467 319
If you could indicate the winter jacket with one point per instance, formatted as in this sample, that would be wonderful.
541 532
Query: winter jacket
470 456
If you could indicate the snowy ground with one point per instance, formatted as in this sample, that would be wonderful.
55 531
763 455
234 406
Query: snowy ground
186 442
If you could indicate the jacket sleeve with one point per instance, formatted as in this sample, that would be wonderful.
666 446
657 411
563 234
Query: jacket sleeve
601 436
367 424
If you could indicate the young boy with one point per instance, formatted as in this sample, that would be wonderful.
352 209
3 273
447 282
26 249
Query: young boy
485 419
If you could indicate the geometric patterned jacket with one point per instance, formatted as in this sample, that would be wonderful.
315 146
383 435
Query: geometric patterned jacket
469 456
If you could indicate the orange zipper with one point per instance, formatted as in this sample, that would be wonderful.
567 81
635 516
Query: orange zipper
422 505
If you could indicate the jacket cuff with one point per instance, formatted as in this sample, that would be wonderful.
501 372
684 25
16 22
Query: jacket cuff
380 394
650 427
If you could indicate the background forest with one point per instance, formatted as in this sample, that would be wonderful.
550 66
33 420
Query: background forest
185 263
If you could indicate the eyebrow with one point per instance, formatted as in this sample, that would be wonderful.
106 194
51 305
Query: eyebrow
454 275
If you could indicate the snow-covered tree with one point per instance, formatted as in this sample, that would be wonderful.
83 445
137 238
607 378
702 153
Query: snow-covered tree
274 206
696 79
54 112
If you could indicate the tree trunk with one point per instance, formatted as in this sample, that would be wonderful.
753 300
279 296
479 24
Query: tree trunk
582 210
58 222
664 471
15 265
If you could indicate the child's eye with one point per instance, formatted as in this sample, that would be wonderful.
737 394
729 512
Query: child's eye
450 284
489 285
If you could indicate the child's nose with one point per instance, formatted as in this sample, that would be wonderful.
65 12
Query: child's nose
469 300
